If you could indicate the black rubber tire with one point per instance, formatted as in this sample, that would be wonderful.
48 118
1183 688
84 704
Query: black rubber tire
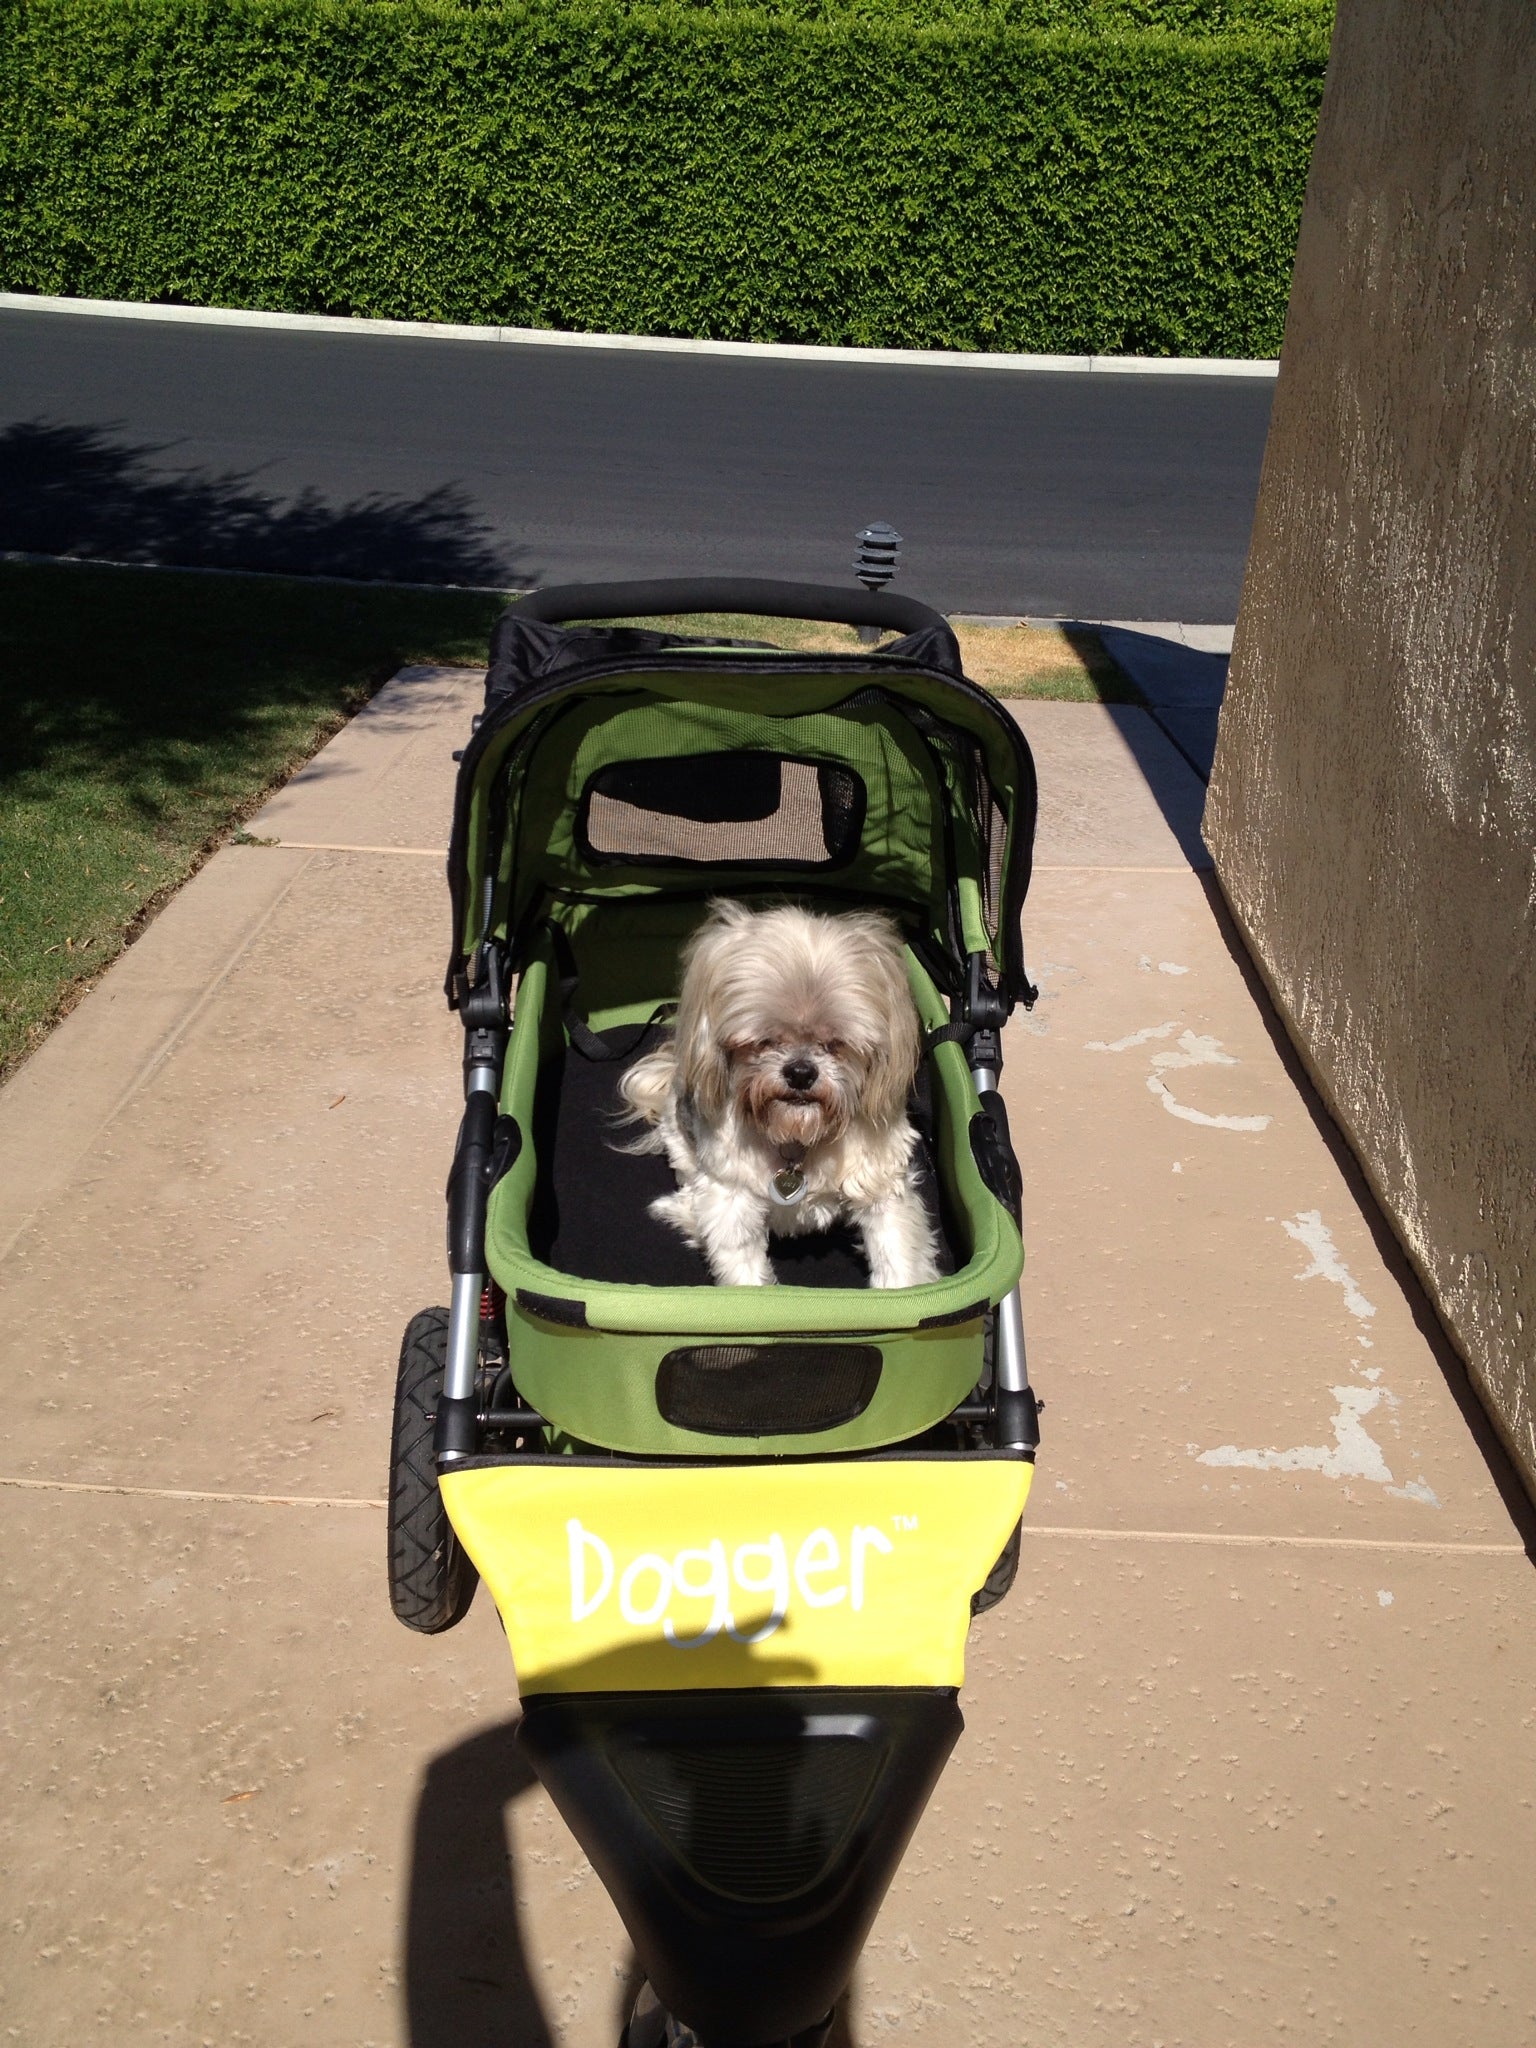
1002 1575
431 1580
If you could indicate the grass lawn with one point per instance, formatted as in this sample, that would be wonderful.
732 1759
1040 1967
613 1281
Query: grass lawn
145 713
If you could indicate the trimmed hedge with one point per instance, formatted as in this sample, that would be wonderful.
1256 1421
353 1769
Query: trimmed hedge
1093 17
726 172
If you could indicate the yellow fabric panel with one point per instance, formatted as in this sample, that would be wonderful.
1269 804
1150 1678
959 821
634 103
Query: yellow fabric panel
668 1579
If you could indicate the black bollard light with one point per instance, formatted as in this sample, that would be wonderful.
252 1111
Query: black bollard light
875 563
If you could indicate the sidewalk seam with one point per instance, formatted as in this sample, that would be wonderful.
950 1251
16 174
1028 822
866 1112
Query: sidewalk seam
156 1059
1219 1537
338 846
258 1500
1238 1540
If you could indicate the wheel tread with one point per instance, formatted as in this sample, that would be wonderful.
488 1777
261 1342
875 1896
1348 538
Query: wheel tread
431 1580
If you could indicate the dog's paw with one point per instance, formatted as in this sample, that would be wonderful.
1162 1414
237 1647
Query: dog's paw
742 1270
676 1211
894 1274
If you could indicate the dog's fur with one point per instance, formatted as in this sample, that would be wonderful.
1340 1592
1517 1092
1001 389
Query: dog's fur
796 1039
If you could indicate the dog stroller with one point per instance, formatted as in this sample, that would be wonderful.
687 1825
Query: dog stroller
736 1535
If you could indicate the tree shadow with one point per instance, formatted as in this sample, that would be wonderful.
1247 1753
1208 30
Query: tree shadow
85 492
155 697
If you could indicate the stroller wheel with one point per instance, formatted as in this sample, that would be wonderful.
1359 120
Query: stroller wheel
431 1580
652 2026
1002 1575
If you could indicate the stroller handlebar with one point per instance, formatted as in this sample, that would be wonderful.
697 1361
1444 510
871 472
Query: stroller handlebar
764 596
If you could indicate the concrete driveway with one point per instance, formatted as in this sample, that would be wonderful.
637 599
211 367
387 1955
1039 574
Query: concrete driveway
1251 1752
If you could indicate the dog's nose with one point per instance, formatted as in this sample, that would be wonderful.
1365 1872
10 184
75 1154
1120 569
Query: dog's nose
800 1073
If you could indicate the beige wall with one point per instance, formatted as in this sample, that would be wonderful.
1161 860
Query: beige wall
1373 805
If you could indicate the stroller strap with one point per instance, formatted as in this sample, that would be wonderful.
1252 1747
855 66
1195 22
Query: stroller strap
592 1046
589 1043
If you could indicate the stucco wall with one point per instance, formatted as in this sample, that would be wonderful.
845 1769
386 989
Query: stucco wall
1373 806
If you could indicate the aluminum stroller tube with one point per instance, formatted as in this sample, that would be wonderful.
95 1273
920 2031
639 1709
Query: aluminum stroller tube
1017 1427
463 1336
1012 1362
454 1436
1015 1414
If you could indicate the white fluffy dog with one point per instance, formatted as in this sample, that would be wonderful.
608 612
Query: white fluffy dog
780 1098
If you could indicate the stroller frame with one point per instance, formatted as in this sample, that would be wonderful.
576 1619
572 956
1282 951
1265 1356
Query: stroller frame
655 1760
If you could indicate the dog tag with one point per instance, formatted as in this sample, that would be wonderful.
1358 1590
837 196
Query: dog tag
787 1187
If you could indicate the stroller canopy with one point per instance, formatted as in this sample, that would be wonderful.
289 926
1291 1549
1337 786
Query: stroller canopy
613 762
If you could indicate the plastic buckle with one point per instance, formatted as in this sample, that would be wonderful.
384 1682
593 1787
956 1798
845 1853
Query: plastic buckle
482 1003
985 1015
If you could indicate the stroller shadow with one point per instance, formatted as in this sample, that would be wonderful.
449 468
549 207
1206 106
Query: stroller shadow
467 1978
467 1982
84 492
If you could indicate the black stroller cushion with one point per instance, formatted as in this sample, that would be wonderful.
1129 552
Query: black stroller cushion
591 1217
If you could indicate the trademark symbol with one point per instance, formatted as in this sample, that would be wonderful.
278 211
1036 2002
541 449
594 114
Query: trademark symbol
903 1521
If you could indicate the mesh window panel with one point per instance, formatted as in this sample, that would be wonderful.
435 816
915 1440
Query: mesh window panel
758 1821
766 1389
994 845
714 809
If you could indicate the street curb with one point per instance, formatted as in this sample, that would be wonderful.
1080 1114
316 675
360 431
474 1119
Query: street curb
544 337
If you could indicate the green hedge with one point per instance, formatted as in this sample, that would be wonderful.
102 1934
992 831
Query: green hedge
713 171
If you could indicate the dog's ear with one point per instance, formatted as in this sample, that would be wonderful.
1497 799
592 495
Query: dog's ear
647 1086
726 914
703 1070
893 1067
894 1064
703 1067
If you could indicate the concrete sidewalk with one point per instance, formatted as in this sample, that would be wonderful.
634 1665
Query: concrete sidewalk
1251 1753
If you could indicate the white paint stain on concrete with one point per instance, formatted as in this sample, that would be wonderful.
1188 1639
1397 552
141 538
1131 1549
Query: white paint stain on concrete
1353 1454
1136 1038
1383 1598
1192 1050
1416 1490
1195 1051
1310 1231
1171 967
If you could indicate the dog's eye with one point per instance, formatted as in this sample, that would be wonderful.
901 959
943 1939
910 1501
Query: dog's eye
834 1048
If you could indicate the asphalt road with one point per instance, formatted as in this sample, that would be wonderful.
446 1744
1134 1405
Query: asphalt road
1092 496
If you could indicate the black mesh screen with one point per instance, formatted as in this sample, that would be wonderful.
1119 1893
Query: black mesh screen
757 1821
766 1389
994 847
726 808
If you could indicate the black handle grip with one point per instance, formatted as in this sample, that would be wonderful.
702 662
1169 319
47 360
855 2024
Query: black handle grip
760 594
